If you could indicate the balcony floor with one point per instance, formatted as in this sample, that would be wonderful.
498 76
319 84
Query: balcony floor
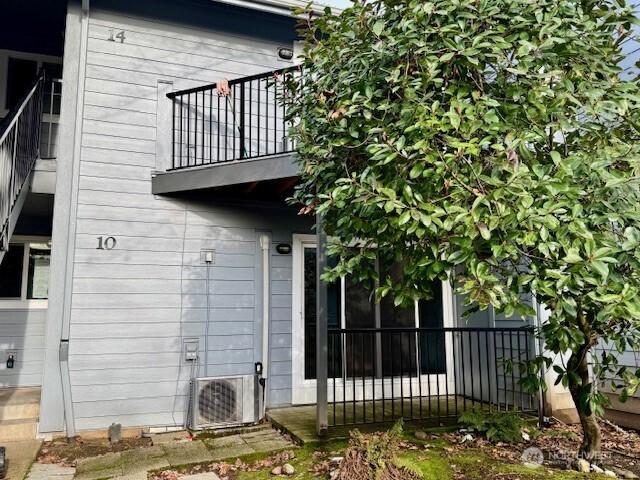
226 174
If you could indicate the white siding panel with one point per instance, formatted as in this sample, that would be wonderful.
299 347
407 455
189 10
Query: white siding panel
22 331
131 214
115 185
123 130
111 170
120 88
112 142
110 156
129 228
122 117
121 102
140 272
114 199
150 244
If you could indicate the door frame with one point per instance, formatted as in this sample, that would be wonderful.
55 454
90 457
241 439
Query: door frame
303 391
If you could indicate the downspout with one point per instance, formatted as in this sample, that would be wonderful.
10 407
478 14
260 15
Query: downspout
266 304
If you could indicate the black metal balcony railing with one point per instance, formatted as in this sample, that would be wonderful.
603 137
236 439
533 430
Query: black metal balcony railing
19 146
381 375
213 123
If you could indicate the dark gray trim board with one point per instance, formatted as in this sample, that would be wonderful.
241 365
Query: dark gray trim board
225 174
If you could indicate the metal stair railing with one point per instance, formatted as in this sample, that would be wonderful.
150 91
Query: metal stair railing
19 149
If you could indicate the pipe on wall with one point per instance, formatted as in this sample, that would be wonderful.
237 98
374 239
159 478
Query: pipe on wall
266 305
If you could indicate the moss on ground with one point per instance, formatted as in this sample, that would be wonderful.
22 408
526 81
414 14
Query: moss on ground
303 462
438 462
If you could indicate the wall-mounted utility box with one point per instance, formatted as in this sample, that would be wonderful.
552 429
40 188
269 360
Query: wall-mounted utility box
208 256
190 349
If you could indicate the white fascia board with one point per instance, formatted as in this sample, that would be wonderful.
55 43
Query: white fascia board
279 7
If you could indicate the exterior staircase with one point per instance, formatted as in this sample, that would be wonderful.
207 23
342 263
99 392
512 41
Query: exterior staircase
19 411
19 150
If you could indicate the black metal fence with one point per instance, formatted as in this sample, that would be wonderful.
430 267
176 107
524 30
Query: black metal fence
380 375
19 146
235 120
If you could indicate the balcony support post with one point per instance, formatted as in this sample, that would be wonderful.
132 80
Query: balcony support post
322 322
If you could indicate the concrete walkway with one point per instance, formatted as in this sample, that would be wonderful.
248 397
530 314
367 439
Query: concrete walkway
167 453
20 456
47 471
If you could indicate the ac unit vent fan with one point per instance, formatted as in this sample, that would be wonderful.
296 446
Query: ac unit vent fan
218 402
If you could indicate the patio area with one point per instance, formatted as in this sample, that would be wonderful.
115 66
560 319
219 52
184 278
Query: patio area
417 413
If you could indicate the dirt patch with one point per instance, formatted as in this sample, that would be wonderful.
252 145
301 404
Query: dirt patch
559 444
67 452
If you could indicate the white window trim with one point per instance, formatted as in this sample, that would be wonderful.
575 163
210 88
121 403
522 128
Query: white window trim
23 302
4 67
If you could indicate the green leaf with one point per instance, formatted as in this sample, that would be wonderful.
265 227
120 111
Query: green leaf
484 231
378 27
572 256
447 57
601 267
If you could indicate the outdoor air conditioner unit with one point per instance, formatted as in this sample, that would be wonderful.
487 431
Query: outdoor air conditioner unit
218 402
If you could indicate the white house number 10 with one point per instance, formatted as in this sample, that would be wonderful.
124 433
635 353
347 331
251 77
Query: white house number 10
106 243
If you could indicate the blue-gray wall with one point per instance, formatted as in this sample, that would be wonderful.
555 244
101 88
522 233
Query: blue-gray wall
129 308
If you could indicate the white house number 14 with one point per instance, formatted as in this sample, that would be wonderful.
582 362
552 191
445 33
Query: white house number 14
106 243
116 36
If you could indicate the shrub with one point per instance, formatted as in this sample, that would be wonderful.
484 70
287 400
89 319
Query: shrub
497 426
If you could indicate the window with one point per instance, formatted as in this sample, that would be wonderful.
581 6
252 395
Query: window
21 74
18 72
351 305
24 271
11 272
52 88
38 278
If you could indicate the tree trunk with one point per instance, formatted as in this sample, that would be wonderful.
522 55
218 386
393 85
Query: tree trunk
590 448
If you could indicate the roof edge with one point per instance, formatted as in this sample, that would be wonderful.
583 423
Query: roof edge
278 7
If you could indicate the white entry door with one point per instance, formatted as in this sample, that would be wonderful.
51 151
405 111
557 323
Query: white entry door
352 306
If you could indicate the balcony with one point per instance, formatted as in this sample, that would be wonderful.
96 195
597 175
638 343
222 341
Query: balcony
230 133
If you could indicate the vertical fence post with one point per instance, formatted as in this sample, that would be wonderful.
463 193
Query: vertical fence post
322 322
242 120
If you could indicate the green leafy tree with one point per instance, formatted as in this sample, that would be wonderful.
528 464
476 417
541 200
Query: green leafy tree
492 143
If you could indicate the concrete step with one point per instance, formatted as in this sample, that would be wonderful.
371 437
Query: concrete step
20 411
19 403
14 430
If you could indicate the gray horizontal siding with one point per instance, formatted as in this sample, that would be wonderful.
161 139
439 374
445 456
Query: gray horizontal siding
22 331
629 358
132 306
